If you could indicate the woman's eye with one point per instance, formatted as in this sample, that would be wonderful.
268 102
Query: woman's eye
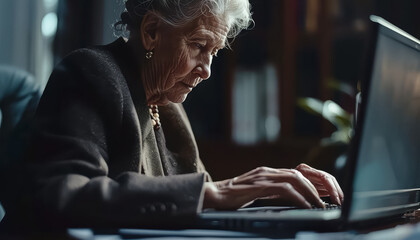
199 45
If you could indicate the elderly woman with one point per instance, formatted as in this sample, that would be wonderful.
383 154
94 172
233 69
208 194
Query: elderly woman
113 145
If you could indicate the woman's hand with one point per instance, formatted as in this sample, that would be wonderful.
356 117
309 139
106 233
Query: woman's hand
325 183
287 185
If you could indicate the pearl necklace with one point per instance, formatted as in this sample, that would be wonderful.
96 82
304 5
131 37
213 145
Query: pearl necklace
154 114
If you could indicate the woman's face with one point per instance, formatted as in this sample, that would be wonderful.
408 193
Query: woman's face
183 56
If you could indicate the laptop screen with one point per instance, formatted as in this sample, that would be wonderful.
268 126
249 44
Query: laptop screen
386 179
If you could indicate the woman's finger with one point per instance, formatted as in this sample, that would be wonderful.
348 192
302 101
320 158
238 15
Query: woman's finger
326 179
331 188
236 196
340 191
323 193
295 178
294 171
286 191
305 187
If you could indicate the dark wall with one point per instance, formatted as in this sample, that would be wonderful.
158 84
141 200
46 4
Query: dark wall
402 13
79 25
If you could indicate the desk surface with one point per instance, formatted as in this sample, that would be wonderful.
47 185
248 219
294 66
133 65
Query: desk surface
405 231
408 231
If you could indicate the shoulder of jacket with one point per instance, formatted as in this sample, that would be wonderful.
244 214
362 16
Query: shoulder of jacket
92 55
91 68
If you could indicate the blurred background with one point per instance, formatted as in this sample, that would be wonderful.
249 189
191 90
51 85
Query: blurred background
285 94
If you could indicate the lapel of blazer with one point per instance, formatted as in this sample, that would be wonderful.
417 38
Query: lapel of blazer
179 137
150 160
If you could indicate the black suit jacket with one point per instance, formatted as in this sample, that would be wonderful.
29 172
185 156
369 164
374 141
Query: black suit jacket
93 139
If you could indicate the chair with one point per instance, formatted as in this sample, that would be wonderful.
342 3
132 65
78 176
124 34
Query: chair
19 96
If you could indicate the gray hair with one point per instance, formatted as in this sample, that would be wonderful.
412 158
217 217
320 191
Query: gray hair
235 13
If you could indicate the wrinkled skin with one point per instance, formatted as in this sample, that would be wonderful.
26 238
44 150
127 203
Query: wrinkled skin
301 187
181 56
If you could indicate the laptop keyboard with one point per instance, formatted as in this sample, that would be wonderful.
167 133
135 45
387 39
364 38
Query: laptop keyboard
328 206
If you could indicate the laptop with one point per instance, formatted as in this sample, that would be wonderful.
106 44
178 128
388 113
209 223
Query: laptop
383 162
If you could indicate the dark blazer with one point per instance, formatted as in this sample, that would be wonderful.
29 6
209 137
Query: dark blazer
94 159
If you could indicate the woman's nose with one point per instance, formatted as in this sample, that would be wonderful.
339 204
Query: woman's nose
203 69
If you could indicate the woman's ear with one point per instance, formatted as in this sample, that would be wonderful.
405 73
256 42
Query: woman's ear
149 30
